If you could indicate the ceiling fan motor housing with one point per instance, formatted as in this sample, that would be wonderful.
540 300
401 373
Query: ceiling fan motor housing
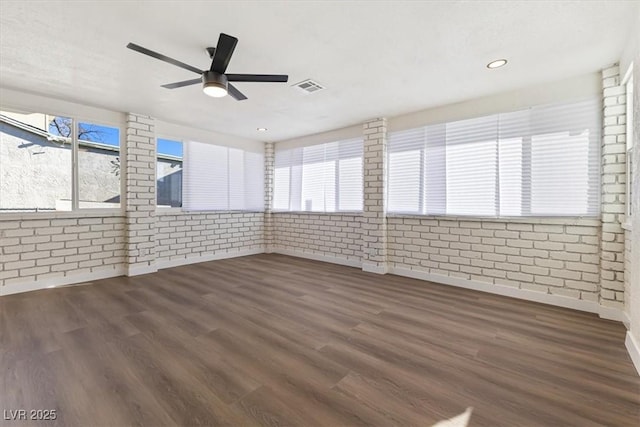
214 82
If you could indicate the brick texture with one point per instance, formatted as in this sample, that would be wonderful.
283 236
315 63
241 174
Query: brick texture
269 175
323 234
633 266
140 179
627 270
558 258
374 223
613 178
189 235
41 249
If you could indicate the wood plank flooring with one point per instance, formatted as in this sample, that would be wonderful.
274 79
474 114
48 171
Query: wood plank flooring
275 340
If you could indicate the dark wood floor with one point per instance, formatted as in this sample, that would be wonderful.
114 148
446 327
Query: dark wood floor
275 340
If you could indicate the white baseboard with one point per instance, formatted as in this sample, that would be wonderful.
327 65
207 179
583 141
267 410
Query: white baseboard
62 281
633 347
139 269
121 270
557 300
176 262
319 257
371 267
616 314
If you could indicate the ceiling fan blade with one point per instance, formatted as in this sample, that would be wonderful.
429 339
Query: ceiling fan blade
224 50
161 57
274 78
239 96
182 84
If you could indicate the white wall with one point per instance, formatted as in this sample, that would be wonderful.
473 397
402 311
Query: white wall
184 133
575 88
324 236
320 138
184 238
32 103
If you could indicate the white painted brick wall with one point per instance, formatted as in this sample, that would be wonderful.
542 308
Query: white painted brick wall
627 270
613 176
269 175
41 249
140 197
634 266
193 235
324 234
374 224
560 258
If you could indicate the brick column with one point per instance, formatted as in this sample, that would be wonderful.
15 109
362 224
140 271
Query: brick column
140 202
613 189
374 221
269 171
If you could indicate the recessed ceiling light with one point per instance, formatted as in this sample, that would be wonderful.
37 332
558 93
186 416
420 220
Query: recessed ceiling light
262 129
497 63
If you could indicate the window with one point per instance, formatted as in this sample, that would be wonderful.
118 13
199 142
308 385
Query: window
98 166
543 161
222 178
169 173
37 167
628 80
319 178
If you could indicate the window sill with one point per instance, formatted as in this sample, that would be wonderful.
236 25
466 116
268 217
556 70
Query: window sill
354 213
627 226
180 211
585 221
168 211
84 213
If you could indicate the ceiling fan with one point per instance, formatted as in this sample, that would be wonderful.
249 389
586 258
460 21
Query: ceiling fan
214 80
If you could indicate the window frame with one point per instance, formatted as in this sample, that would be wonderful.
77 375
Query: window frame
168 209
75 210
76 169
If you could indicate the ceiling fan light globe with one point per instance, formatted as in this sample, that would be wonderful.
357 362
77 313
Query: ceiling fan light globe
215 91
214 84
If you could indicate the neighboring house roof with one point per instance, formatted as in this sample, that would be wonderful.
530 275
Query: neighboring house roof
27 127
60 139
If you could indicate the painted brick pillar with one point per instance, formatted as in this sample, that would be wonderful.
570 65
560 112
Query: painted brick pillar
633 335
374 221
613 176
140 203
269 173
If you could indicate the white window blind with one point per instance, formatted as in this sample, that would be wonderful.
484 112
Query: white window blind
222 178
320 178
543 161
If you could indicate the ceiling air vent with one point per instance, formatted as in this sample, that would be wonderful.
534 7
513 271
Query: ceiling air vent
309 86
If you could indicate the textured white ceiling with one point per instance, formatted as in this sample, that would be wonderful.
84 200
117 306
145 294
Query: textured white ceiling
382 58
